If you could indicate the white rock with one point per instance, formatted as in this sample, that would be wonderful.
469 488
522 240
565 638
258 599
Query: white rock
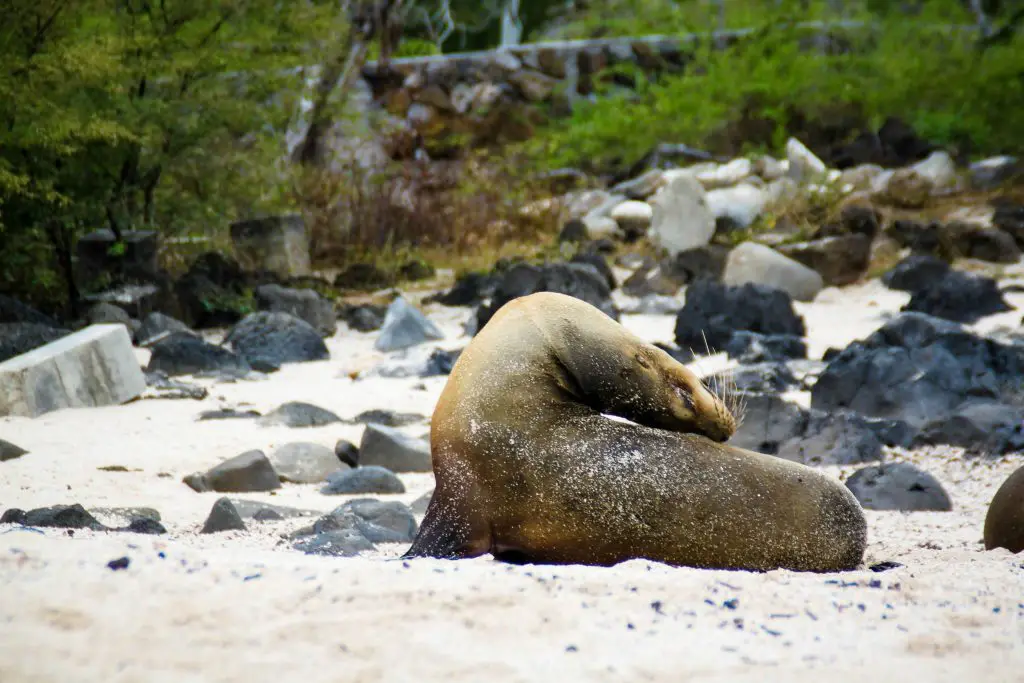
599 226
753 262
681 219
93 367
579 204
633 215
713 176
742 203
405 326
939 169
804 166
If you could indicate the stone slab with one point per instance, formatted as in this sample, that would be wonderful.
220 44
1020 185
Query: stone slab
93 367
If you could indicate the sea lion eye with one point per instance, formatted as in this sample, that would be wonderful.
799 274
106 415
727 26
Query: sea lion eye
643 362
685 397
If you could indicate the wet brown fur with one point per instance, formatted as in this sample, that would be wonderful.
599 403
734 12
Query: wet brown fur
529 468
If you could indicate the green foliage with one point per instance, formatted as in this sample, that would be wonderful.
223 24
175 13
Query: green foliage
130 114
936 79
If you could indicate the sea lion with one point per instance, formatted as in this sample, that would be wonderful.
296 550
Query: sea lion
1004 522
530 469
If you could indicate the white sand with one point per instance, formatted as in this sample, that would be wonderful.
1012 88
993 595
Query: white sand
244 606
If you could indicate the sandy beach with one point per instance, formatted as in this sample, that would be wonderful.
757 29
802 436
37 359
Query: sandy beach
237 606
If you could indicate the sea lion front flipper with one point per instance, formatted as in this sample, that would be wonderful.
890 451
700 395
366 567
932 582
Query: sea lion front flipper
448 534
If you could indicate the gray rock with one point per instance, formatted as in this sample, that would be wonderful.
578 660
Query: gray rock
182 353
364 317
227 414
840 438
898 486
13 311
261 512
298 414
960 297
755 263
156 326
223 517
916 272
369 479
394 450
90 368
918 369
415 362
250 471
8 451
405 326
681 218
714 313
276 338
305 463
990 173
301 303
338 543
378 521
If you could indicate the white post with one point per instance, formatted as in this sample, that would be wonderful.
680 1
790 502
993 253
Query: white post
511 27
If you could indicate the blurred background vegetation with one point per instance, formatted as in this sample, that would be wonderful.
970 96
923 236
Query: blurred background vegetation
175 115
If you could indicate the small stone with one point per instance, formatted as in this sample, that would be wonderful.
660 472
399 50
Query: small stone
337 543
227 414
145 525
347 452
419 506
250 471
156 326
405 326
804 165
223 517
8 451
60 516
298 414
394 450
305 463
388 418
369 479
363 318
118 564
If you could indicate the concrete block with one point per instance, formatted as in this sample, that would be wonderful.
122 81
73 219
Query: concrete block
93 367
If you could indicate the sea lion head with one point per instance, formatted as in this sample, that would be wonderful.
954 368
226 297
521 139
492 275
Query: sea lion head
619 374
677 398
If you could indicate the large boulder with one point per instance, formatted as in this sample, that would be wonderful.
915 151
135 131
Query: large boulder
157 326
275 338
917 368
182 353
681 218
301 303
715 312
13 311
279 244
898 486
960 297
982 242
214 292
582 281
755 263
1004 521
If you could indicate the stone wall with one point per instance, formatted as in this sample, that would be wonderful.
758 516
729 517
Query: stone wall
499 95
